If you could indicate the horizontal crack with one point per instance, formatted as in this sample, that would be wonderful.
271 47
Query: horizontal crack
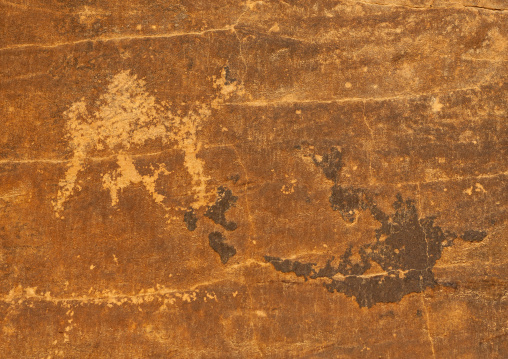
118 38
260 103
431 7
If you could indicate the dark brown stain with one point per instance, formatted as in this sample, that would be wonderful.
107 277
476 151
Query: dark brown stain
217 212
406 247
474 236
225 251
190 219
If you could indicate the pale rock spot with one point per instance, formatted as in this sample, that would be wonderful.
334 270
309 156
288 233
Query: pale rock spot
274 28
88 16
261 313
479 188
436 105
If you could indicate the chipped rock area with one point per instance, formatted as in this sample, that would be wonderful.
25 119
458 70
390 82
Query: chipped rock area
254 179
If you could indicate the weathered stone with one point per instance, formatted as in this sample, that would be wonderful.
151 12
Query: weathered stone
230 179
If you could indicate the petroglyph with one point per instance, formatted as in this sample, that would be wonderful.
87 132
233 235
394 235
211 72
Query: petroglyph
127 117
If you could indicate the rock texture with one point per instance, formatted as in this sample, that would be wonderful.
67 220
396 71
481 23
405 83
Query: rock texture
251 179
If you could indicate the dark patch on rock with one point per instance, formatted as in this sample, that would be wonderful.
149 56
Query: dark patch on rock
217 211
225 251
190 219
347 200
327 271
331 164
453 285
347 267
388 314
235 178
406 247
388 288
227 75
474 236
419 313
287 266
405 242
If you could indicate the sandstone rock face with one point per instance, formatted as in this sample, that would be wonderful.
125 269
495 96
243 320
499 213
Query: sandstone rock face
251 179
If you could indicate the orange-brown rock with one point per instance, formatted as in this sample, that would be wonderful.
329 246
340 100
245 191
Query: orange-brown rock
253 179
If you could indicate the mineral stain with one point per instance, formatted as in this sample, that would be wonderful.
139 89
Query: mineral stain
227 74
474 236
287 266
405 246
348 200
225 251
190 219
217 212
331 164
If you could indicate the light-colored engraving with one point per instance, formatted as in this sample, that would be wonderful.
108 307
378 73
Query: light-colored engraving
126 117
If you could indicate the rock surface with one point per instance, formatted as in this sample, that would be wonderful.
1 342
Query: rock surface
248 179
